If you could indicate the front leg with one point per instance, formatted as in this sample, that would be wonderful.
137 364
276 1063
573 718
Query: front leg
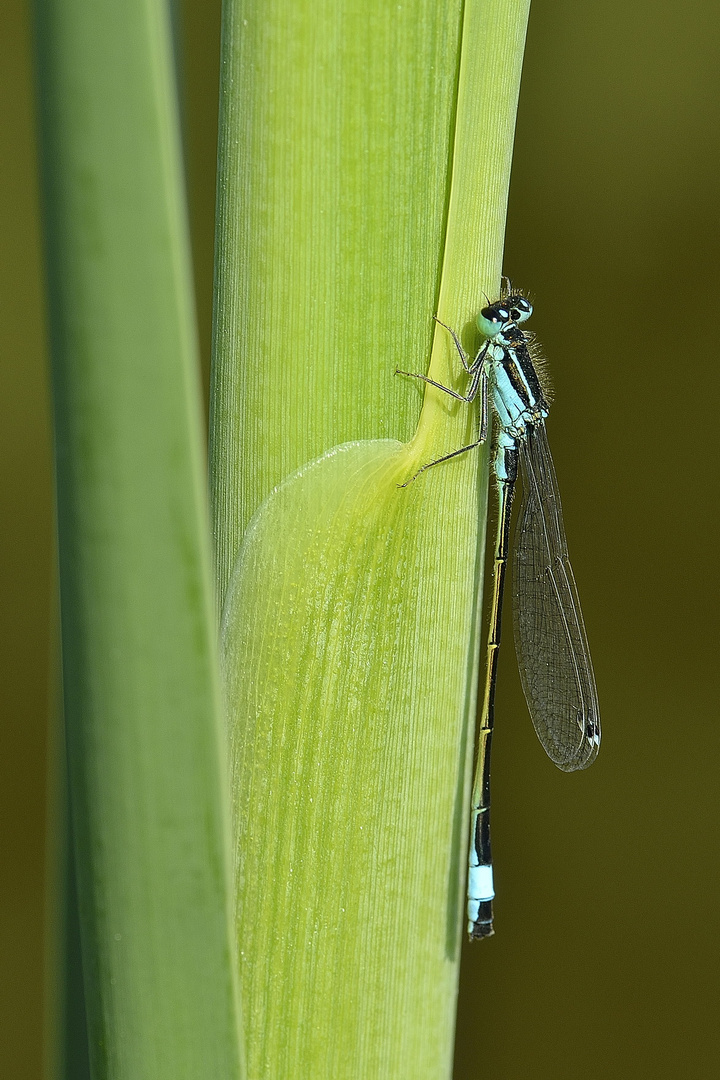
477 363
461 352
476 370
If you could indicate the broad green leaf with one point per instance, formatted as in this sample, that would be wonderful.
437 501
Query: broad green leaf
364 169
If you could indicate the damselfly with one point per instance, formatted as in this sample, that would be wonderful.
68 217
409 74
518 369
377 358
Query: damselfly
552 650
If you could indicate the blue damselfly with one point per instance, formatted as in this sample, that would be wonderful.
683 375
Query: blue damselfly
551 645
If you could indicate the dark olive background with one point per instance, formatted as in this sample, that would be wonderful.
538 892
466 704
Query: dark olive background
605 960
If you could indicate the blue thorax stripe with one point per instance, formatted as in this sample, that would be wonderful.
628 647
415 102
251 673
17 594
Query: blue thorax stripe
518 396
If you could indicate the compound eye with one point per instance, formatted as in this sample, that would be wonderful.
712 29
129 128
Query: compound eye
521 310
492 319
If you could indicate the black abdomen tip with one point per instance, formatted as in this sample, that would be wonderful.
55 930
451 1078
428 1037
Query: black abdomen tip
482 927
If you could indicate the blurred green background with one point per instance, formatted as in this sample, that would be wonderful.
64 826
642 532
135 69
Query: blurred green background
605 960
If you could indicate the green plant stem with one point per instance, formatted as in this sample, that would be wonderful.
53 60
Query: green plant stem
364 169
146 761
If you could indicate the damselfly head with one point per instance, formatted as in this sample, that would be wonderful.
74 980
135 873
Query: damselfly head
496 317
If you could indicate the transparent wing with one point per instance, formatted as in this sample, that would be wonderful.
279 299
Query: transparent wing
550 640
